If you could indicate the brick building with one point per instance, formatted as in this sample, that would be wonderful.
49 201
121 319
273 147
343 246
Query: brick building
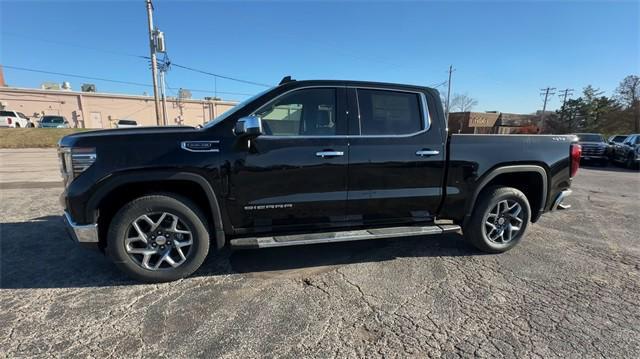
102 110
493 123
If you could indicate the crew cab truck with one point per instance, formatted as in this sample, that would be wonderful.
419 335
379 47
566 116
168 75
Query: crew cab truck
305 162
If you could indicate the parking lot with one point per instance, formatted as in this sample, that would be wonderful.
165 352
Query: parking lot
571 289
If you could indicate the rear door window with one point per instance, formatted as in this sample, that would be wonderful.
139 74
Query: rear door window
384 112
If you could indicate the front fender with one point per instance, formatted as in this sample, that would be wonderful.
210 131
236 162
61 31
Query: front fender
111 183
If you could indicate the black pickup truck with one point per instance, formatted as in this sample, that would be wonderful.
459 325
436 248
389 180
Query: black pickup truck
305 162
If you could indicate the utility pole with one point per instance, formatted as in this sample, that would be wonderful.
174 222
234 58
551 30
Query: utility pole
549 91
154 62
564 94
451 70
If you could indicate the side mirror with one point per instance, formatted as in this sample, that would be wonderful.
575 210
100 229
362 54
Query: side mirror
250 126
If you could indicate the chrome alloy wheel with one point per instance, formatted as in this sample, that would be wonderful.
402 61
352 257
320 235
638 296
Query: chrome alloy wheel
504 221
158 241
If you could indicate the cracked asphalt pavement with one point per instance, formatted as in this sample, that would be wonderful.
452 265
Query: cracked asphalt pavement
570 289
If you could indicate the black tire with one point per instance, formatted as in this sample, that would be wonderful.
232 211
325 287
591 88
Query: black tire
629 162
17 125
475 232
185 210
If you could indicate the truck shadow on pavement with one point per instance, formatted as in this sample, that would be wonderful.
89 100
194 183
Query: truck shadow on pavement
39 254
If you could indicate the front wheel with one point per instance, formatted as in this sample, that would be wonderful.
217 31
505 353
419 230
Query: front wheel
499 219
158 238
629 162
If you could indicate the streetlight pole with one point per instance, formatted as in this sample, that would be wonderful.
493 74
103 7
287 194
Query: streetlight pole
154 61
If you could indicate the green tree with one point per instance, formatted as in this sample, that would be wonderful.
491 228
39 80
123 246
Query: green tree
628 94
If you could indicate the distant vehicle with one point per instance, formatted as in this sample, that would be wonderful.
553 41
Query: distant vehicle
126 124
50 121
617 139
13 119
628 153
594 148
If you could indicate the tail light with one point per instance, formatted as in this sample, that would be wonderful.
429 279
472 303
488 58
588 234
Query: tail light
9 121
576 151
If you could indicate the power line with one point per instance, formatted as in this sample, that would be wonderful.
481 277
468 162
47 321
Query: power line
436 85
140 57
220 76
109 80
77 76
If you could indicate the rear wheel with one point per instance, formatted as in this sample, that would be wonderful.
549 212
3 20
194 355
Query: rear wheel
499 220
158 238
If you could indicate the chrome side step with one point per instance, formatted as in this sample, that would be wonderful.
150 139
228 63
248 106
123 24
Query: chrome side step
344 236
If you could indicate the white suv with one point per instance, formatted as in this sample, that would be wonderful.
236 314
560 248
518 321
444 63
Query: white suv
13 119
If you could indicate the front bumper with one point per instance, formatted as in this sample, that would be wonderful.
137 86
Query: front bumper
81 233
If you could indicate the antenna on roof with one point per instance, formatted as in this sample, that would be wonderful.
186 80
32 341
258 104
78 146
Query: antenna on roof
285 80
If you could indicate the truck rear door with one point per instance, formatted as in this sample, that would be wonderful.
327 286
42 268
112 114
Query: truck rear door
396 157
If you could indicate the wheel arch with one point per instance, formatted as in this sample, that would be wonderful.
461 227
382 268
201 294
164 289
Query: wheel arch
535 186
119 189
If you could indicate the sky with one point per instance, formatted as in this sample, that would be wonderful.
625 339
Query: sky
503 52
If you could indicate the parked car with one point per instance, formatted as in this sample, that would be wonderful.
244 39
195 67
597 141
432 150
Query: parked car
53 121
302 163
628 153
594 148
13 119
126 123
617 139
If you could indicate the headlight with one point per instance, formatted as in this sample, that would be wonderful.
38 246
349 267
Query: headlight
74 161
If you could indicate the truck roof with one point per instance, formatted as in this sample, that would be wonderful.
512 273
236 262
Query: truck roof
354 83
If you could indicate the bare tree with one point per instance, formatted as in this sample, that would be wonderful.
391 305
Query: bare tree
628 93
463 102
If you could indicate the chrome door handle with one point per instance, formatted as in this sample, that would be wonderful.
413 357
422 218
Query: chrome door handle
426 153
326 154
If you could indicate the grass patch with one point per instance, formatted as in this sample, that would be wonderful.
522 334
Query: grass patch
33 137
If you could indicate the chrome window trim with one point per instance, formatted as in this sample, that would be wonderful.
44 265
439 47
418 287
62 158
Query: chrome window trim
423 99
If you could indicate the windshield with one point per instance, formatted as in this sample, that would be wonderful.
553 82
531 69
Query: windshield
127 122
52 120
586 137
6 113
233 110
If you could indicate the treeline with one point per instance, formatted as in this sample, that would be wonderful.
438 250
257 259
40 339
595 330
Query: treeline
595 112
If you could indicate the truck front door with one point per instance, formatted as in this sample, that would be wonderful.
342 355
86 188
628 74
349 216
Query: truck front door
396 158
295 173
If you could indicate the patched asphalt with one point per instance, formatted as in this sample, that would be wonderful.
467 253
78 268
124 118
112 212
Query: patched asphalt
570 289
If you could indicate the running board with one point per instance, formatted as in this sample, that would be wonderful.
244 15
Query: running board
344 236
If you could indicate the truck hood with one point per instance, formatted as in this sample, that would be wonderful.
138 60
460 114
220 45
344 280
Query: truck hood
112 134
